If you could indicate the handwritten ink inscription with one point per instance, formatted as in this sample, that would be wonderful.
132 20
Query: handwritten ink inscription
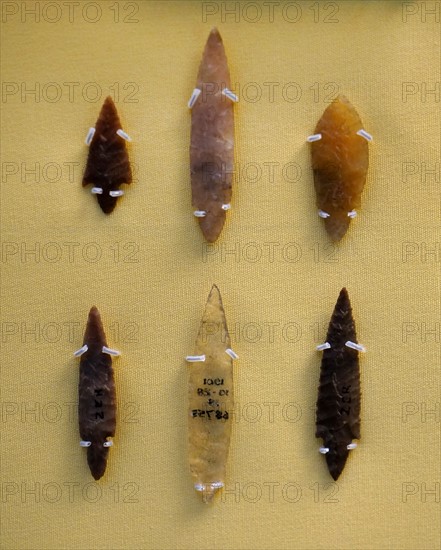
210 414
209 391
346 398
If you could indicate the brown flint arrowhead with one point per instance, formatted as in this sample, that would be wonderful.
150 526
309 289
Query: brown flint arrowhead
212 140
108 165
338 403
340 159
96 396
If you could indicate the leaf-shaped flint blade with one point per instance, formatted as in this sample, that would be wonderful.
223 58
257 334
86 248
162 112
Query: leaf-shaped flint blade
338 403
210 400
340 159
212 140
96 395
108 165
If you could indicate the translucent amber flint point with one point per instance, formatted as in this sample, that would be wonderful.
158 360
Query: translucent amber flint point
339 162
211 400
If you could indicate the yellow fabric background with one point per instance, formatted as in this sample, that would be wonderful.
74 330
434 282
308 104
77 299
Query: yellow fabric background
149 272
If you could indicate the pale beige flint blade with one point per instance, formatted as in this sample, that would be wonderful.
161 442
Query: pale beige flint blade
210 400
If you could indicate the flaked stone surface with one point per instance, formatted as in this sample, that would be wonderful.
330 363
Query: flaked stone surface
339 161
108 163
338 402
96 395
212 139
210 400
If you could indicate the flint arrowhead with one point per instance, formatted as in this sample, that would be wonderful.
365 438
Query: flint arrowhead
212 140
339 161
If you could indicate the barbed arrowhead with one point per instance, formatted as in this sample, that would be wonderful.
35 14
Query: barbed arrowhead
108 165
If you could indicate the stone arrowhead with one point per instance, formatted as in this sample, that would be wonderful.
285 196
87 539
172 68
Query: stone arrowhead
338 402
210 400
108 165
339 161
96 395
212 140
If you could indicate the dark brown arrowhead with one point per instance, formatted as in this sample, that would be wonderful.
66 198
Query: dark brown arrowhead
338 403
108 165
96 395
212 140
